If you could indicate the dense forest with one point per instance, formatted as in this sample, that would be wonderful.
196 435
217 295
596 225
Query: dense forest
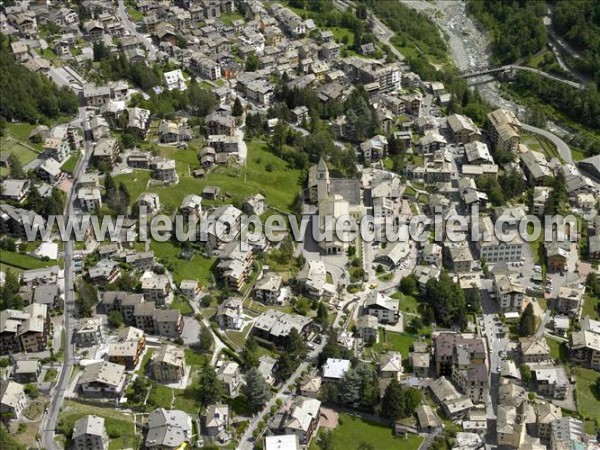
581 106
579 23
515 26
28 96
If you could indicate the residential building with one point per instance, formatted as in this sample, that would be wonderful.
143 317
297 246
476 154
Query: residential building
367 328
150 201
57 148
550 381
168 366
534 350
311 387
191 208
174 80
570 300
168 430
219 123
88 332
129 349
89 433
383 307
26 371
255 205
15 190
557 255
24 331
585 348
504 129
229 374
282 442
509 291
374 149
462 129
138 121
275 326
189 288
102 379
268 289
300 416
546 413
106 152
156 288
230 314
12 400
390 365
567 433
216 420
493 249
166 171
454 405
335 369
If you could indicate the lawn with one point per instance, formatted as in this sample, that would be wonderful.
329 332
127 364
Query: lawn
182 305
353 431
196 269
135 15
588 403
264 172
228 18
590 307
69 165
116 423
554 348
390 341
407 303
193 358
239 337
24 262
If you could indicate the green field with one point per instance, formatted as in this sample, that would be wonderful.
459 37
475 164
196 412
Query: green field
25 262
228 18
407 303
182 305
353 431
196 269
390 341
588 401
69 165
15 142
263 172
193 358
116 423
590 307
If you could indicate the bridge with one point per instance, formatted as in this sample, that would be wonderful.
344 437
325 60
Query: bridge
481 71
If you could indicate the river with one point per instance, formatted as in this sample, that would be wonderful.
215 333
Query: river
470 48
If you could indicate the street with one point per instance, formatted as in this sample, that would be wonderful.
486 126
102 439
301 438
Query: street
50 419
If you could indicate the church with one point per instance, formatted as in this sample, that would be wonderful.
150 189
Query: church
335 198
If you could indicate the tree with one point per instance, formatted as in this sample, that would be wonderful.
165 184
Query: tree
211 389
16 168
525 372
115 319
527 322
205 339
392 401
87 299
326 440
32 390
322 314
139 390
237 109
408 284
295 345
285 367
252 63
207 300
256 391
250 354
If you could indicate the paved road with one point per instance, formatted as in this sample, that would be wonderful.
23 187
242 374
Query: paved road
247 442
130 26
563 149
50 419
